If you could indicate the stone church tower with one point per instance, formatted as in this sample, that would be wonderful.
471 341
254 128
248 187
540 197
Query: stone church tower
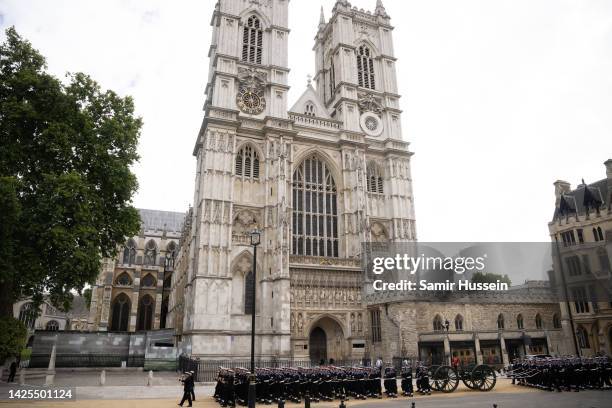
317 180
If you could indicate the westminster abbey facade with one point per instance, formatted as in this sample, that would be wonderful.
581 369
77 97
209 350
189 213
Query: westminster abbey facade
317 179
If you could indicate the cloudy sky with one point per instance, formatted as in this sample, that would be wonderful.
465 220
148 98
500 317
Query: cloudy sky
500 97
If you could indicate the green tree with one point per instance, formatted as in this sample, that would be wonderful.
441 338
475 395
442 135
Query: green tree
87 295
479 277
12 337
65 179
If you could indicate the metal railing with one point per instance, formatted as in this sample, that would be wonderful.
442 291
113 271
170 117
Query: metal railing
207 370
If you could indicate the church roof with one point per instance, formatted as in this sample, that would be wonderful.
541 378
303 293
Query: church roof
594 195
161 220
310 95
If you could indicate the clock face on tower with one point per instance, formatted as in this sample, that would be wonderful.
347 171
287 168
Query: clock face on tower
251 100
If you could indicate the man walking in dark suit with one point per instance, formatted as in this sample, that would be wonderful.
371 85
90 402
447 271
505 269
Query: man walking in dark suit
12 371
186 390
192 385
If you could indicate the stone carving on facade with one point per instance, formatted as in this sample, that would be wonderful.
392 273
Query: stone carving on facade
244 222
251 92
378 233
368 103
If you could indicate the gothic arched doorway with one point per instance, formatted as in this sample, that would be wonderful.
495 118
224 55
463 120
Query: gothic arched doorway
327 341
318 345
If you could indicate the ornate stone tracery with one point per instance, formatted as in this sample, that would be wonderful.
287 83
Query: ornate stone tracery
251 92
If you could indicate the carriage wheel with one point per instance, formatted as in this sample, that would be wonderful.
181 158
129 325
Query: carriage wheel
467 380
484 377
445 379
430 371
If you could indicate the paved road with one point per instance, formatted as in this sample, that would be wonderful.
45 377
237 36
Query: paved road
505 395
541 399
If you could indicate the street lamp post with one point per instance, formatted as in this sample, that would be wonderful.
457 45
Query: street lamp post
255 241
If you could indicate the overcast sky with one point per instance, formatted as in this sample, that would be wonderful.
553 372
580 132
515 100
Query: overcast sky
500 98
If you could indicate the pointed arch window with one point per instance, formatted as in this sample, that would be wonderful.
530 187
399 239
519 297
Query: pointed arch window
146 306
249 287
459 323
170 254
121 313
437 323
375 179
315 212
148 281
309 109
27 315
252 41
247 163
52 325
150 255
332 77
129 252
538 321
123 279
556 321
583 338
500 322
519 322
365 68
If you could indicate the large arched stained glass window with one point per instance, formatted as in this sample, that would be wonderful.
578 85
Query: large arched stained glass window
121 313
146 307
252 41
129 252
315 212
150 255
27 315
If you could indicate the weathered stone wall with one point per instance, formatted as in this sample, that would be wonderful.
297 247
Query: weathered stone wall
404 324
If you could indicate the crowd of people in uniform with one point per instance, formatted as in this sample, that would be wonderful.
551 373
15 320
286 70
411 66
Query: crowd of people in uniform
322 383
562 373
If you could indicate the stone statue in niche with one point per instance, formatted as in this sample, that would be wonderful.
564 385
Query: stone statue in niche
300 323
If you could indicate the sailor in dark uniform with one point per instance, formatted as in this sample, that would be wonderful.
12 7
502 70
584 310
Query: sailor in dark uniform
390 382
407 389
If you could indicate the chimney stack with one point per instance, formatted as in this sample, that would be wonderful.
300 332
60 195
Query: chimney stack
608 164
561 187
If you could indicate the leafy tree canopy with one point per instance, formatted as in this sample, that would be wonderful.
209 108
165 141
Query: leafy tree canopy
65 180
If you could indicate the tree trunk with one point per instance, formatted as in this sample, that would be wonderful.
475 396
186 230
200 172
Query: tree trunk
7 298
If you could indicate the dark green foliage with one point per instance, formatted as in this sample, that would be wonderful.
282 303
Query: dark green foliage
87 295
65 179
12 337
479 277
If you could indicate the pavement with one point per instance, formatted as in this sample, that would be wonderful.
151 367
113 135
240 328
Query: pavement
505 395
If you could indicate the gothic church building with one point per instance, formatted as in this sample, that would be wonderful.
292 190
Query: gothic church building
317 179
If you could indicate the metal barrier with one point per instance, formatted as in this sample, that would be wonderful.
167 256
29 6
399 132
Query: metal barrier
207 370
